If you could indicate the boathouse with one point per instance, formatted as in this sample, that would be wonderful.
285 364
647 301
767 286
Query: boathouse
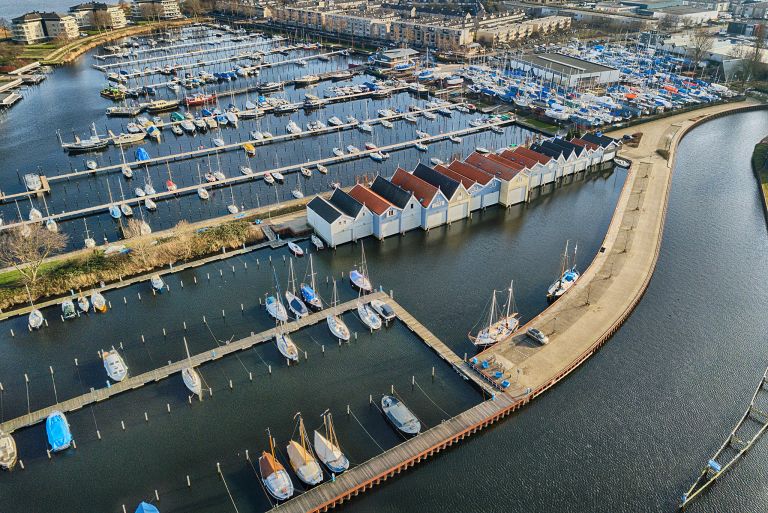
328 222
454 191
551 172
514 181
564 164
594 151
484 192
433 203
581 156
609 144
386 216
410 209
538 172
362 219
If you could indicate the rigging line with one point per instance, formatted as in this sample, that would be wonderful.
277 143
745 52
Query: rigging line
430 399
263 488
226 487
366 431
82 385
218 344
260 358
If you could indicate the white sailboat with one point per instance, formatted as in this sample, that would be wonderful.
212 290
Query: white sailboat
276 480
274 305
335 324
367 315
327 447
359 277
286 346
191 377
295 304
497 328
302 460
568 275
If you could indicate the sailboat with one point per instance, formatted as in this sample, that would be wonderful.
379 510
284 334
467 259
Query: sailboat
359 278
273 474
297 193
568 275
295 305
367 315
274 305
327 447
83 303
89 241
170 184
114 210
335 324
286 346
190 376
125 208
308 293
202 192
98 302
114 365
157 283
497 328
302 460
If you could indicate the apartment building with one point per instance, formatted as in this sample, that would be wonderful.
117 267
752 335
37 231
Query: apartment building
156 9
511 32
98 15
35 26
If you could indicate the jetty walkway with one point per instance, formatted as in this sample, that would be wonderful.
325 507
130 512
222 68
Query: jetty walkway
578 324
130 383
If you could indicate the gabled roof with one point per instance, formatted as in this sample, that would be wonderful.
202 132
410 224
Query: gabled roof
470 171
554 153
391 192
90 6
346 203
568 146
424 192
370 199
517 166
527 152
601 140
553 148
465 180
523 160
585 144
324 209
497 169
446 185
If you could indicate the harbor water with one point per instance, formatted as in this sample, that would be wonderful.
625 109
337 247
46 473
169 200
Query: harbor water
626 432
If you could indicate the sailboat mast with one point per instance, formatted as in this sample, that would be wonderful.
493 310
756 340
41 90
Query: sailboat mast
311 272
509 297
492 312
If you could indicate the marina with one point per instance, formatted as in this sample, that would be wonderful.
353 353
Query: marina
548 235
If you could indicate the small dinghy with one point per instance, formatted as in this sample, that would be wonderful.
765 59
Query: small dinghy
35 319
114 365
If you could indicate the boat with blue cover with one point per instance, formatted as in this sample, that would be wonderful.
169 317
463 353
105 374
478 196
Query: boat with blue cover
307 290
145 507
58 432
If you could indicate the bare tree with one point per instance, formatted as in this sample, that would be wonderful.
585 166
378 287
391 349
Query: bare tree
26 251
701 44
133 229
193 7
102 20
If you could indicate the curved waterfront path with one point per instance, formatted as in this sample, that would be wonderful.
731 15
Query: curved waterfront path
577 324
585 317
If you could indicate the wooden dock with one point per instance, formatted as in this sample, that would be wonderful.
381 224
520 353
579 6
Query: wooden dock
401 457
174 368
748 430
256 175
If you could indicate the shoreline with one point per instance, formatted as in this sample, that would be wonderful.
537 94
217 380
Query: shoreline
760 169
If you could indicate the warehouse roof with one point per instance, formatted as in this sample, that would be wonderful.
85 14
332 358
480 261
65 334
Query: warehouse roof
564 64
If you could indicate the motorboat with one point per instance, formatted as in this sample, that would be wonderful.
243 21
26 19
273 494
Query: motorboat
455 139
482 149
300 455
410 118
126 209
400 416
335 121
149 204
114 365
322 169
365 128
83 304
327 447
352 149
35 319
421 147
202 193
622 162
338 152
218 142
352 120
68 310
8 452
115 212
157 283
278 176
295 249
306 172
428 114
286 346
377 156
293 128
33 182
57 431
268 178
386 123
368 316
98 302
422 134
383 309
245 170
436 161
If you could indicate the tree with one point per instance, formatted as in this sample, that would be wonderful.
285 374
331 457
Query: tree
182 247
27 250
102 20
701 44
9 52
193 8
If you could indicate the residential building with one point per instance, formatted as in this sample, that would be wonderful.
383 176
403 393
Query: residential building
156 9
99 15
510 32
37 26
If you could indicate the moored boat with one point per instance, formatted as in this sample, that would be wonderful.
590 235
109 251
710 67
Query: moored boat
497 327
286 346
157 283
68 310
114 365
274 476
35 319
8 451
98 302
301 458
568 275
337 327
400 416
383 309
327 447
57 431
368 316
